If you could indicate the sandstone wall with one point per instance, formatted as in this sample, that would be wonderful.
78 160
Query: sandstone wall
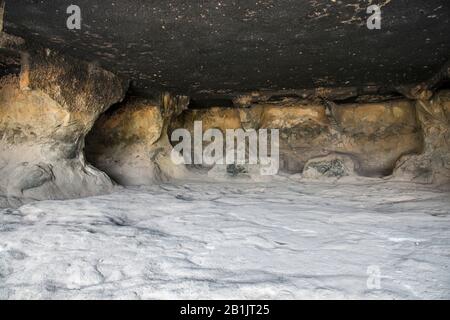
131 144
44 117
433 164
57 103
375 135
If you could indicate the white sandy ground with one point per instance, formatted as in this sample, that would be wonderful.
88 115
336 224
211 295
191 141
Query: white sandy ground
227 241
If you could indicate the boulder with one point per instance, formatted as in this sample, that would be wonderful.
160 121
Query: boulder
333 166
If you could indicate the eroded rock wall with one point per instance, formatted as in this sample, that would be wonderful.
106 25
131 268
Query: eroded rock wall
375 135
45 115
57 103
131 144
433 164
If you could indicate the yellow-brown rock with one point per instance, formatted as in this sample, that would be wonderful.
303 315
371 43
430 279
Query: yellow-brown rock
433 164
131 144
375 135
43 123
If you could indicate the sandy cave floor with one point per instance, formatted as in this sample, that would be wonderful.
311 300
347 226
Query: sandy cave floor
228 241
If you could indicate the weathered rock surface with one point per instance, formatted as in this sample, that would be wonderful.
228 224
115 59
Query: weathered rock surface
44 117
131 144
304 131
47 112
375 135
433 164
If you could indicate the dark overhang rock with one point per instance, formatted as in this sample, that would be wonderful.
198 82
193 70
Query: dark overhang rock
231 47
